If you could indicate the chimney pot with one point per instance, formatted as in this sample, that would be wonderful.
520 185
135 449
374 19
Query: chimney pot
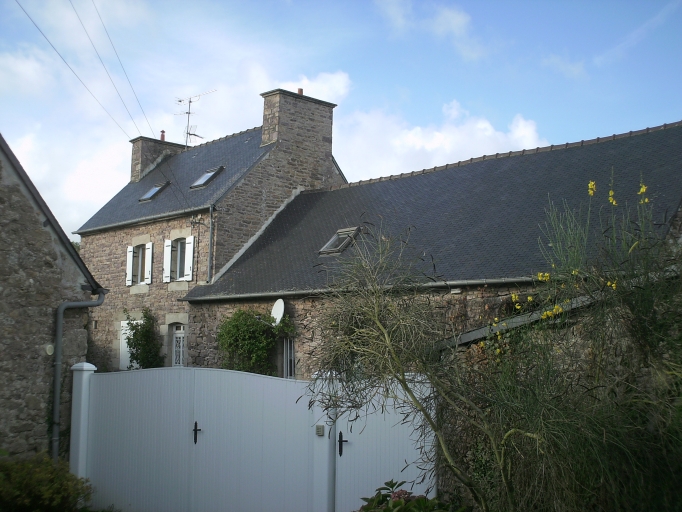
163 134
300 91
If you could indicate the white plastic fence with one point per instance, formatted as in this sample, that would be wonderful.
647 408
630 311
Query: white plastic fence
195 439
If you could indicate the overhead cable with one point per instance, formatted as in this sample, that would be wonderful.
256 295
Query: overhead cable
105 68
124 69
75 74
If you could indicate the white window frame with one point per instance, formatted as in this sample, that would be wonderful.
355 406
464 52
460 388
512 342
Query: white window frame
178 334
178 259
139 261
339 241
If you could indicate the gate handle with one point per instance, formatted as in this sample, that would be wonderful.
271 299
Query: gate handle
341 441
195 430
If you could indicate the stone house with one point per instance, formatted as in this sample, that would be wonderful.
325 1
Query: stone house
279 212
41 271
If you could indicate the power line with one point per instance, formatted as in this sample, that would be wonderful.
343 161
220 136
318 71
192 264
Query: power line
105 68
75 74
124 69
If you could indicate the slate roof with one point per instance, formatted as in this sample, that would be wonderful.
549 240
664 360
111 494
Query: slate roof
479 219
49 216
238 153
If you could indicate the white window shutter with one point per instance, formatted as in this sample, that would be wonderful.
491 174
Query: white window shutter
189 258
167 251
129 265
148 263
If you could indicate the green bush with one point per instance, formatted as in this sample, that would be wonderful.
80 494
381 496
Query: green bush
143 341
248 339
38 484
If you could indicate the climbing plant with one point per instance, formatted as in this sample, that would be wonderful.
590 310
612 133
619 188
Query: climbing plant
247 341
144 342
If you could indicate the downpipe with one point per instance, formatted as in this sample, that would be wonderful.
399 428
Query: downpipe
57 387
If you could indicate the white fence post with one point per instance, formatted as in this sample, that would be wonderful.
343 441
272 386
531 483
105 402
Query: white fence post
80 405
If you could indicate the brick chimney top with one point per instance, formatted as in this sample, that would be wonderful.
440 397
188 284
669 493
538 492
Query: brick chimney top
163 134
300 91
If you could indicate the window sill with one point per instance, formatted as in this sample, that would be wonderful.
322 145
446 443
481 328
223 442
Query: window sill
178 286
139 288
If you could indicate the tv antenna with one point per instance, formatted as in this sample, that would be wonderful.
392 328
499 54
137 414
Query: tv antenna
190 130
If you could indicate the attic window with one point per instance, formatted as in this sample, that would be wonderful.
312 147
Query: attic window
153 191
341 239
205 178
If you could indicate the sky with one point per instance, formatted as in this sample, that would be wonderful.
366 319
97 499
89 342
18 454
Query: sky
417 83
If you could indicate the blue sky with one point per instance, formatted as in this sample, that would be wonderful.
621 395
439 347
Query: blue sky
417 84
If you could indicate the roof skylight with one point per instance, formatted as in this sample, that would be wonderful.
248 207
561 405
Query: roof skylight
205 178
153 191
341 239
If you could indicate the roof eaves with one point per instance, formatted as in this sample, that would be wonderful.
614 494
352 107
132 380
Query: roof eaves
143 220
321 291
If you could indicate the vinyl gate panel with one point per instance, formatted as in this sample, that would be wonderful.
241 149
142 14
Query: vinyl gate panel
140 439
257 448
377 450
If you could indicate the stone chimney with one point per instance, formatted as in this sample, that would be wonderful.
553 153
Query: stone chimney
297 119
148 152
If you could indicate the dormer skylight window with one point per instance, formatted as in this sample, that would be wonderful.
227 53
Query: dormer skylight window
153 191
206 178
341 239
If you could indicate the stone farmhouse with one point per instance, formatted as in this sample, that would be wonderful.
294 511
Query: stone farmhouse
41 275
244 220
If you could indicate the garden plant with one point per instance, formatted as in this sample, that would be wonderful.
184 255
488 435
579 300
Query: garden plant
572 402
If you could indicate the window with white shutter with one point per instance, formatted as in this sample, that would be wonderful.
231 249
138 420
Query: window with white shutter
129 265
189 258
167 252
148 263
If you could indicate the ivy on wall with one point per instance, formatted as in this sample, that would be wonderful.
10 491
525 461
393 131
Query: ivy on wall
247 341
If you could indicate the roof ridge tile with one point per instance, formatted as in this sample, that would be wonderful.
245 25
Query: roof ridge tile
221 138
522 152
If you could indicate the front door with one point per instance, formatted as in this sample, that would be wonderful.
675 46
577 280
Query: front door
178 345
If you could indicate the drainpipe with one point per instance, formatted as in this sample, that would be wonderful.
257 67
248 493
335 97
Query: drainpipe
58 364
210 245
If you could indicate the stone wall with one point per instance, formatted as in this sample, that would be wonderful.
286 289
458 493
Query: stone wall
36 276
105 255
301 128
465 309
147 152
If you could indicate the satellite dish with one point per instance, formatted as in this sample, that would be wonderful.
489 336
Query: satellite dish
278 311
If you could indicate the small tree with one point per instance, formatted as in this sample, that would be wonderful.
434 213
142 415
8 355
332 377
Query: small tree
561 413
144 342
247 340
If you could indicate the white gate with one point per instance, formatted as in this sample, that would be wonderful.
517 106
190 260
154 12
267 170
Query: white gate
192 439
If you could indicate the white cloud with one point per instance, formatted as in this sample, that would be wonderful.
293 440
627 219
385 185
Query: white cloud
25 72
375 143
573 70
637 35
331 87
397 12
456 24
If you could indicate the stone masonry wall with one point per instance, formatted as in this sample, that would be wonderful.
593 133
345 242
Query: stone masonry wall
36 276
105 255
302 159
146 151
466 309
